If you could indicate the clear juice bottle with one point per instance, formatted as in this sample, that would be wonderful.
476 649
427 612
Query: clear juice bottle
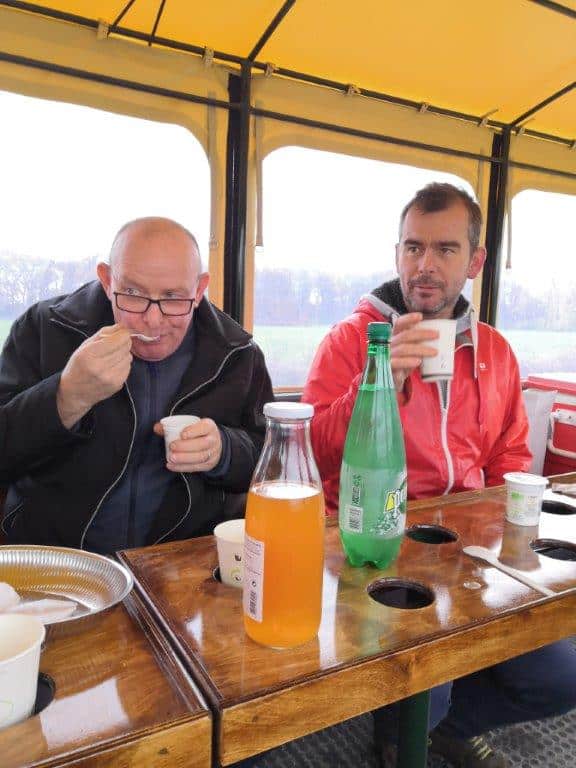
284 544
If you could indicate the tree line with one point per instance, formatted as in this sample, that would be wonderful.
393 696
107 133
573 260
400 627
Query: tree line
283 297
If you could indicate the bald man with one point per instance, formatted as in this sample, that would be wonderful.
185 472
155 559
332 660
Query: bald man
84 381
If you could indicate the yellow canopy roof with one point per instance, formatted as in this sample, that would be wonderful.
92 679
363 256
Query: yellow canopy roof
475 57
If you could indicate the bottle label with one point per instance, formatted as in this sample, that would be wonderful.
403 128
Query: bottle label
368 508
253 577
353 518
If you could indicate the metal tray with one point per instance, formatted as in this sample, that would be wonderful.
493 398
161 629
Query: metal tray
93 582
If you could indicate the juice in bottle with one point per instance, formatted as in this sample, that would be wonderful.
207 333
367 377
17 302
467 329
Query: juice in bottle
278 513
284 543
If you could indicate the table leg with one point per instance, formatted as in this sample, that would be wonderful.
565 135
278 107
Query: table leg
413 731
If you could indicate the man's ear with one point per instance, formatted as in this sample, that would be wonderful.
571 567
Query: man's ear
105 276
397 247
476 262
203 281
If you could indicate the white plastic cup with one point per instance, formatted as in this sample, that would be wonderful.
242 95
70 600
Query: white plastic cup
21 638
524 497
441 366
173 426
230 544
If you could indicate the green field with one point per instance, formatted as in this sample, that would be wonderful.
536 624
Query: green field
289 350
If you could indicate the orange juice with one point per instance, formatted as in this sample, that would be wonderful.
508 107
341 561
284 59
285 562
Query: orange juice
283 563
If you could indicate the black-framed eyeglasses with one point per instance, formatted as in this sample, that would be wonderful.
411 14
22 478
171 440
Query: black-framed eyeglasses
138 305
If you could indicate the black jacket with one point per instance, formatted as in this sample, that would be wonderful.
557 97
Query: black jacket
57 478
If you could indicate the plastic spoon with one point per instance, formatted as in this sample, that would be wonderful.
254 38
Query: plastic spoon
143 337
488 556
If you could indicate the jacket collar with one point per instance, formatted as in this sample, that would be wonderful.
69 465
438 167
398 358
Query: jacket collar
389 301
87 309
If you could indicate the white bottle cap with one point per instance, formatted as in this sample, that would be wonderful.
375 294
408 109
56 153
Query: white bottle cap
289 410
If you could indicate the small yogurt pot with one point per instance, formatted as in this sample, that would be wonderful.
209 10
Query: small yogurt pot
524 497
21 639
230 544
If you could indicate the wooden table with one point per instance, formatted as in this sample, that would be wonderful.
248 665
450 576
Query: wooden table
366 654
121 700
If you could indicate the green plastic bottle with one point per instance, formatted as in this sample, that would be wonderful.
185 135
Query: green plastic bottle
373 479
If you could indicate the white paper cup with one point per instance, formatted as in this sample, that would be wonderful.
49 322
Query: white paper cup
173 426
440 367
524 497
230 544
20 641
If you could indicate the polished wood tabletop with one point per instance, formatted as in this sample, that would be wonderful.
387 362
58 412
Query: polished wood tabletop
122 700
366 654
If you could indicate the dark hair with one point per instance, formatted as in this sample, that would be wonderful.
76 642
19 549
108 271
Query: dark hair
438 197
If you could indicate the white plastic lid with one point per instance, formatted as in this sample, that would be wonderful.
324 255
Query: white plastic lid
289 410
525 478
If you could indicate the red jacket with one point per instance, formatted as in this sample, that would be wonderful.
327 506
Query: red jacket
480 435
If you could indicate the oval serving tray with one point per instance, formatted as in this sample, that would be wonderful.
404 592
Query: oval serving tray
93 582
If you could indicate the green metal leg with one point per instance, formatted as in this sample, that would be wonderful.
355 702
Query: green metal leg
413 733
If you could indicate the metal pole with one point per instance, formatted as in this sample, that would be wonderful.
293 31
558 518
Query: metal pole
557 7
495 227
543 103
270 29
413 731
96 77
236 194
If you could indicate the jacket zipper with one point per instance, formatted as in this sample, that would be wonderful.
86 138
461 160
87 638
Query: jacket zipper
110 487
176 404
117 480
444 434
10 516
444 422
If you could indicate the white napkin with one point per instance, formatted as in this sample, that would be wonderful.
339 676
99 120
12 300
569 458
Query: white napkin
8 597
47 610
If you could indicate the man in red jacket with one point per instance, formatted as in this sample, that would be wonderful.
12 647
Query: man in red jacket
459 436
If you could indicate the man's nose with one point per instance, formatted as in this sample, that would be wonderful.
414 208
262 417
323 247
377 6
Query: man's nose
153 315
427 262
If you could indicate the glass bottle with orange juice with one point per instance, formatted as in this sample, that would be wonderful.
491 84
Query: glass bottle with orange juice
284 543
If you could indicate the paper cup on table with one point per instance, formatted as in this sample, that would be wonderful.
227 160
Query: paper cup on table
173 427
230 544
20 640
524 497
441 366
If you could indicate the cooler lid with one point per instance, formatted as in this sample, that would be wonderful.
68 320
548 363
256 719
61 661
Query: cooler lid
565 382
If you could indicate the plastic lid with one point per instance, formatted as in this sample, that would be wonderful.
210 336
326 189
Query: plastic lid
525 478
379 331
289 410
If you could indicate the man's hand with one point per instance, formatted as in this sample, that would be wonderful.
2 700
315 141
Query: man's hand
408 347
97 370
198 450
